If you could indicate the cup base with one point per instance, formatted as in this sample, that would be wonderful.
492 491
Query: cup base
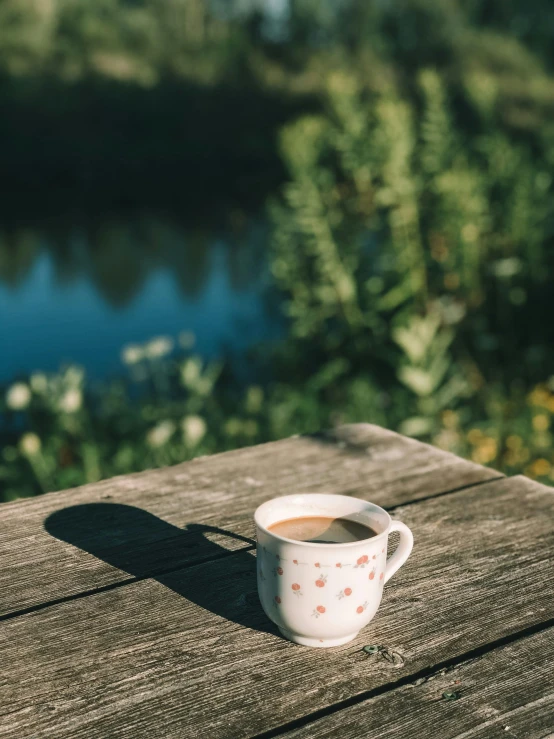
307 641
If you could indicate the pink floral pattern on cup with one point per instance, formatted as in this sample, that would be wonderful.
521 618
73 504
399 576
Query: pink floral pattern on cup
345 583
344 593
321 581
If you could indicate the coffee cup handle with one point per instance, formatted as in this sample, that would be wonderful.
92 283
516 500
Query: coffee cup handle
403 549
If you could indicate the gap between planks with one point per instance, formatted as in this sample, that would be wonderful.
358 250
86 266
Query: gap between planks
423 675
223 555
160 510
414 501
158 651
119 584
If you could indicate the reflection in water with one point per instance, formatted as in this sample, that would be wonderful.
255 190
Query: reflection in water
79 295
18 252
117 263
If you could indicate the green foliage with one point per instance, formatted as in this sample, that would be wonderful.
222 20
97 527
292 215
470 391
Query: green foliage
411 242
165 409
411 234
427 371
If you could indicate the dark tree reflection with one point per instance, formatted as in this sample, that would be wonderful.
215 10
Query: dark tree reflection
119 255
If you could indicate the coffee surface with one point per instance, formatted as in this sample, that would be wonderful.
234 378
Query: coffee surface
322 530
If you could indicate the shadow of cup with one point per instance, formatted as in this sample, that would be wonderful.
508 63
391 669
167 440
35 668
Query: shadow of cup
185 560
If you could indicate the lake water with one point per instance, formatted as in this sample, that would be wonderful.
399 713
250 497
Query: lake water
80 294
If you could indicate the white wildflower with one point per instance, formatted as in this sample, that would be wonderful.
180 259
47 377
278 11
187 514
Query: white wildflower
74 376
71 401
159 347
160 434
39 383
446 439
18 396
132 353
29 444
194 429
190 372
506 268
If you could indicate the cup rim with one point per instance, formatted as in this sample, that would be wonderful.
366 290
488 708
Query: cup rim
319 545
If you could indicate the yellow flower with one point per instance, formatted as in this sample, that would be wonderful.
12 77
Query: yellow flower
515 457
514 442
450 419
511 459
541 422
485 452
550 404
474 436
541 467
539 396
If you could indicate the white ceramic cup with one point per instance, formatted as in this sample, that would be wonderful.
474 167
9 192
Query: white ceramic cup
321 595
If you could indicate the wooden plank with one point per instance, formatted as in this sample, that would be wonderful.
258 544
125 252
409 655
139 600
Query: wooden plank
191 654
220 491
505 694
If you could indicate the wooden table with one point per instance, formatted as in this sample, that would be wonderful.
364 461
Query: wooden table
129 607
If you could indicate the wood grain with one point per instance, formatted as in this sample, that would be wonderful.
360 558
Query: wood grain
190 654
505 694
220 491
